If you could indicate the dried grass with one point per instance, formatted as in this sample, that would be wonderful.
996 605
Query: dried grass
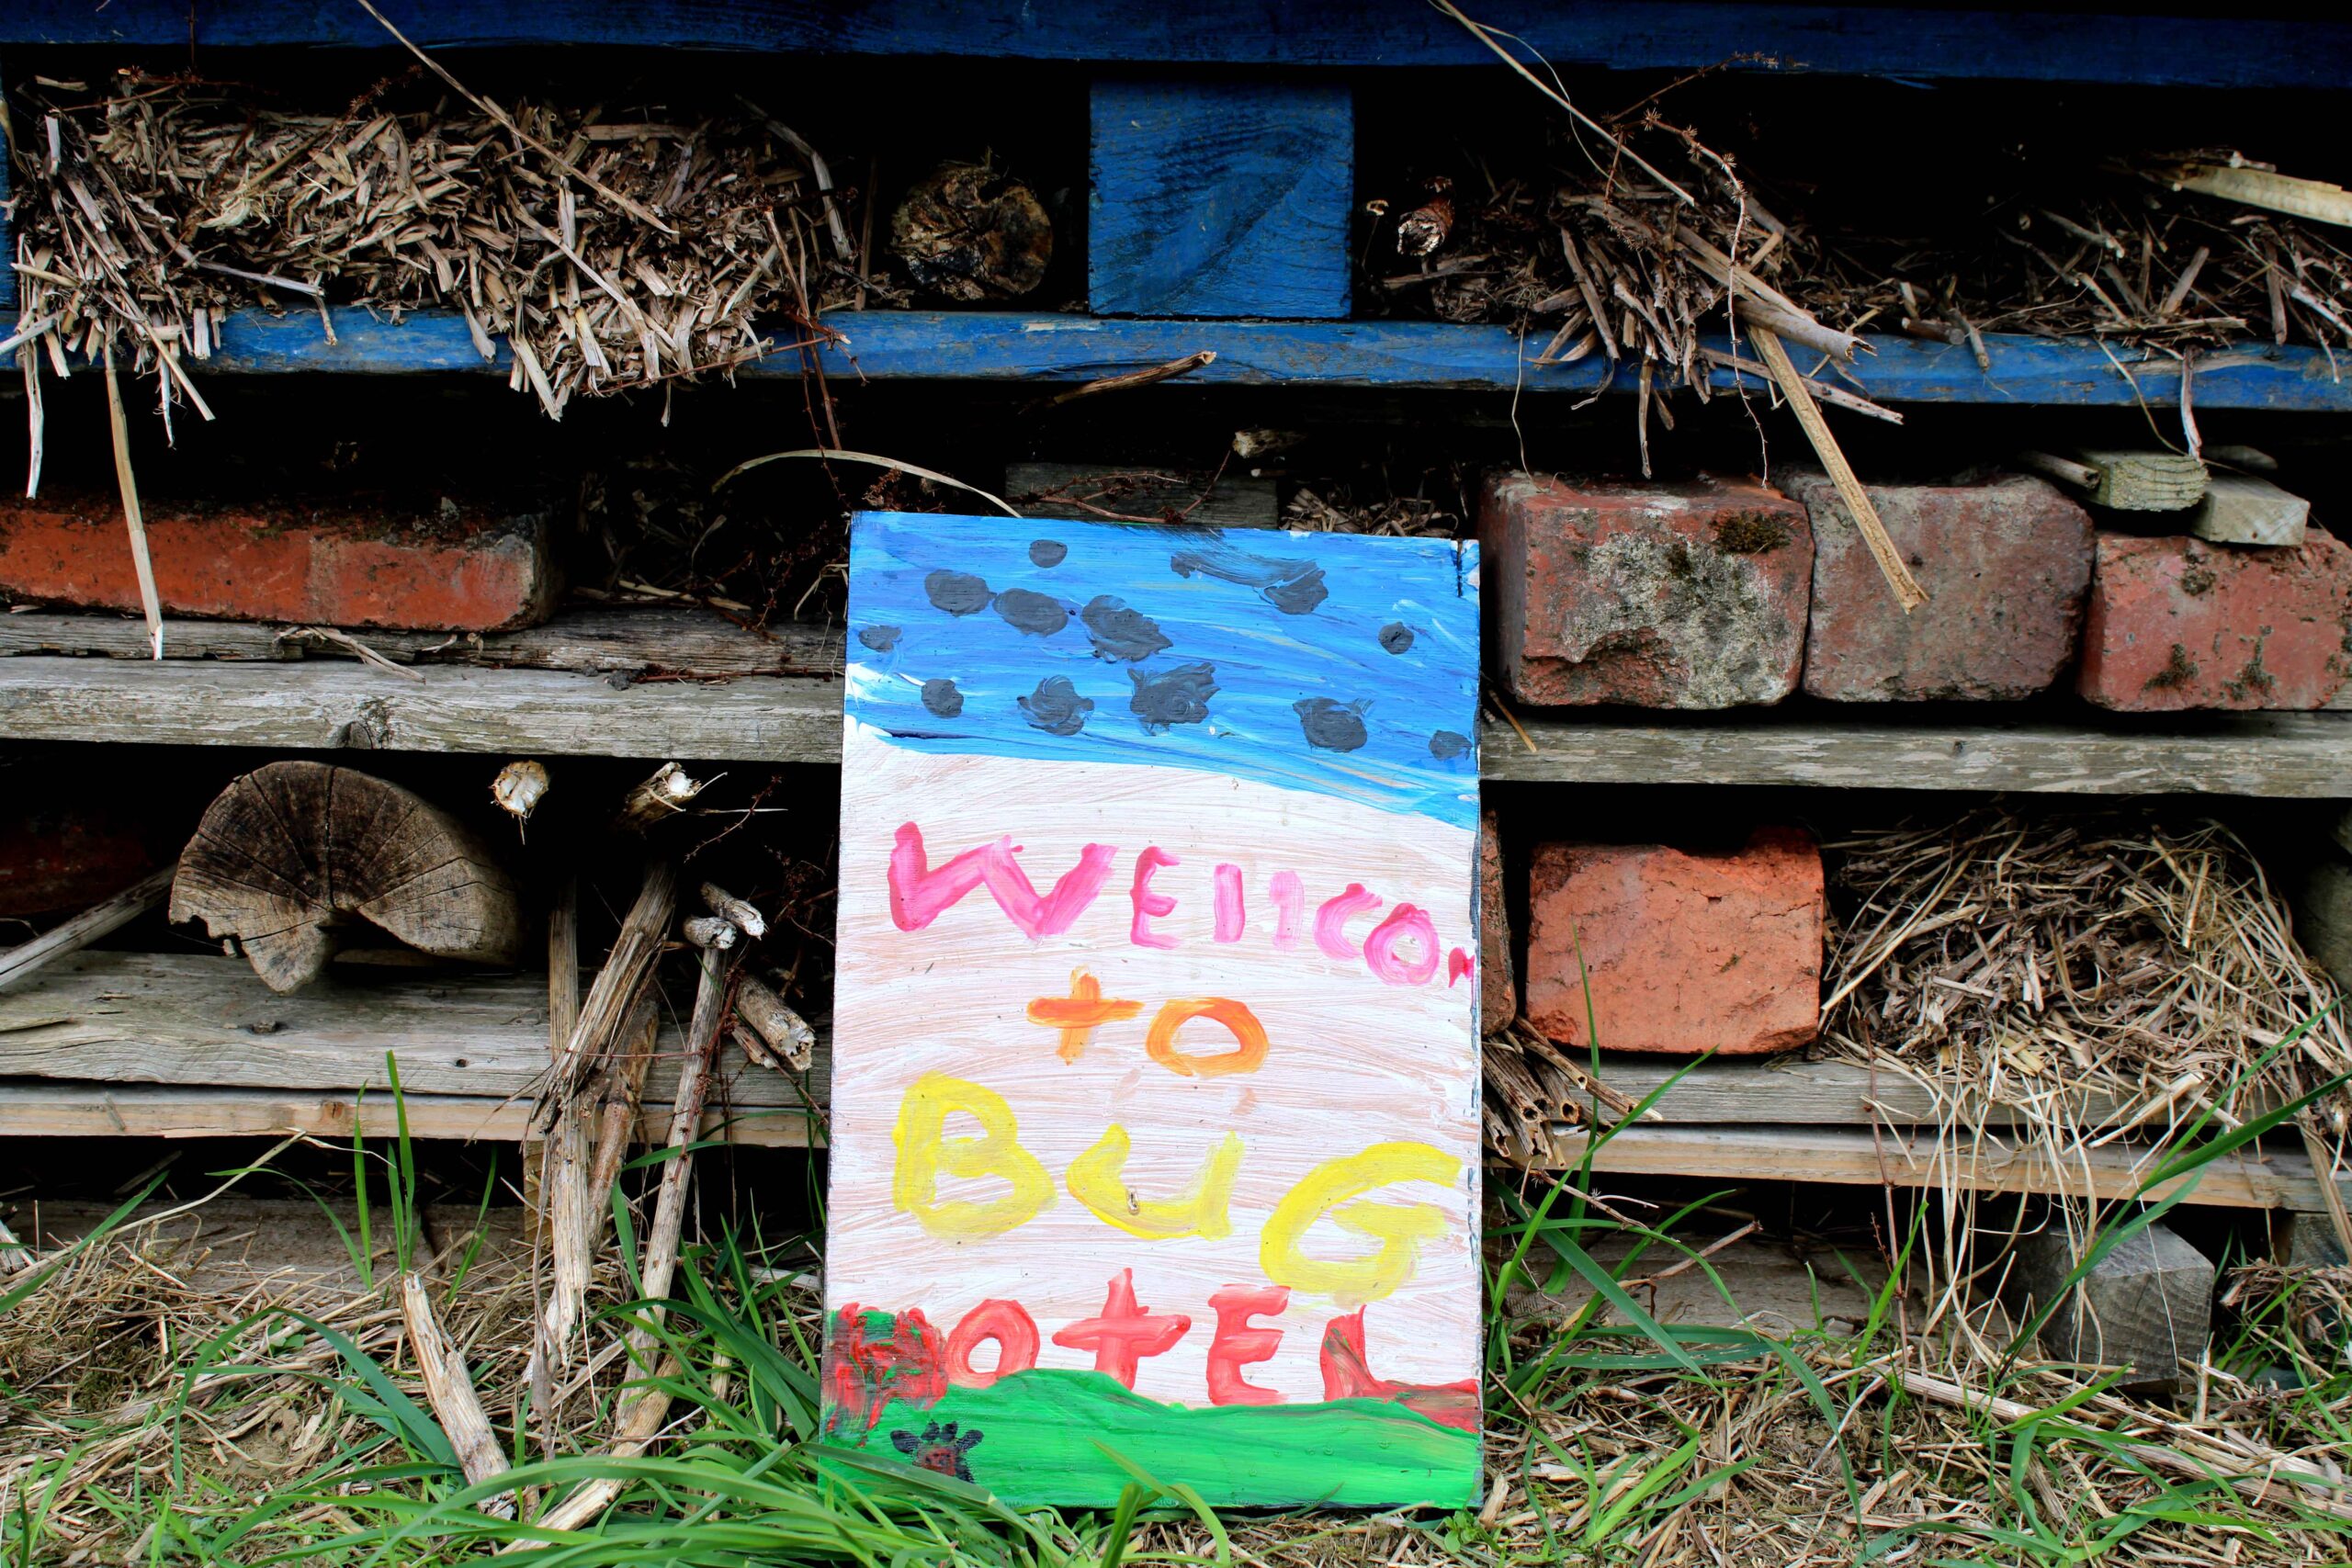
2115 254
1809 1446
2097 971
608 253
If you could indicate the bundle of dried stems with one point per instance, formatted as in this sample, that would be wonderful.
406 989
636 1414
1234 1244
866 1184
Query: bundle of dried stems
606 253
2097 972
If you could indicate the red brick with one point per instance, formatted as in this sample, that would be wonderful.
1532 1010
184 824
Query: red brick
1686 953
2177 623
2004 562
1498 986
58 862
1661 595
336 568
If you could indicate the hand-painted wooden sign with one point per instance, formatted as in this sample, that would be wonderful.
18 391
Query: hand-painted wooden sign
1155 1120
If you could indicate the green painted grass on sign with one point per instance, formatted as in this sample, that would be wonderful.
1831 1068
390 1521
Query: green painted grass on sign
1049 1435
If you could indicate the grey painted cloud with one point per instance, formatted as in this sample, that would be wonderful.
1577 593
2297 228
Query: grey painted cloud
881 639
1120 632
1294 587
1396 636
940 695
1179 696
1048 552
1446 744
1039 615
1333 727
1056 707
957 592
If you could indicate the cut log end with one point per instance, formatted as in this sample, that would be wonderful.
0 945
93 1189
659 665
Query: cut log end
292 855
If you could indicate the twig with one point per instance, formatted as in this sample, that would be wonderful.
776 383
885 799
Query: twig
149 601
1822 389
344 640
1174 368
1487 35
835 454
613 996
1908 592
565 1200
642 1417
450 1391
98 920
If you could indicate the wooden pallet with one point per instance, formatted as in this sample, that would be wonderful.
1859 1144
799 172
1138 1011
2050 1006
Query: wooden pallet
114 1044
1910 42
563 689
1228 198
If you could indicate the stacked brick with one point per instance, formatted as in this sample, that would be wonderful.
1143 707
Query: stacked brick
456 571
1716 594
1719 594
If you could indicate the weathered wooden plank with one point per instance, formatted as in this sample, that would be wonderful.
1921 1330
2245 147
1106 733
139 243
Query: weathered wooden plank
989 346
2303 755
55 1109
1796 1092
1220 199
200 1019
2217 49
2281 1180
317 705
638 640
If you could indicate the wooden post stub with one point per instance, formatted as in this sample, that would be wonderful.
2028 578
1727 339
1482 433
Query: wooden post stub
2146 1306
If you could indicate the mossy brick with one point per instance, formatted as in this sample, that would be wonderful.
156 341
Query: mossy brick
1680 952
1673 595
2006 561
2177 623
455 569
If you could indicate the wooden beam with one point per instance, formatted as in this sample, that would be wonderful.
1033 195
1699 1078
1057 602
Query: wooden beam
1905 41
992 346
1791 1091
311 706
129 1045
642 640
146 1111
203 1020
2247 509
1985 1164
318 704
2298 755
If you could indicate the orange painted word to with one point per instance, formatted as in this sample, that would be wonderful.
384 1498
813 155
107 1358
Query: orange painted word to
1085 1009
1079 1014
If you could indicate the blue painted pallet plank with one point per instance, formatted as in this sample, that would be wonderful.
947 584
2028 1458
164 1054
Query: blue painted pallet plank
1220 199
988 347
2222 50
7 241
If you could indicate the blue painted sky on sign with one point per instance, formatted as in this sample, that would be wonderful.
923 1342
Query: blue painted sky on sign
1342 663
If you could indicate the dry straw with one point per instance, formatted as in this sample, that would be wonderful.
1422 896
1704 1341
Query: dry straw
605 253
2106 975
